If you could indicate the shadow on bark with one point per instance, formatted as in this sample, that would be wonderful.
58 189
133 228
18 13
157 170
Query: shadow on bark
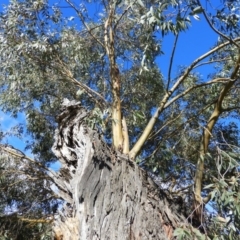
106 195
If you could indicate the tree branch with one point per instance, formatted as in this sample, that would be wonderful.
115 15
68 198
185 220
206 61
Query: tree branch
140 142
207 132
125 136
125 11
117 130
171 61
210 62
214 29
217 80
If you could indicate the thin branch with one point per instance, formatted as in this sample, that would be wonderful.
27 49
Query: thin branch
65 71
160 142
171 61
194 63
187 121
181 189
165 124
34 221
21 155
210 62
217 80
230 109
214 29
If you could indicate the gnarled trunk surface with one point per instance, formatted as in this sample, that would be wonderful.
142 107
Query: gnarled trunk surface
107 196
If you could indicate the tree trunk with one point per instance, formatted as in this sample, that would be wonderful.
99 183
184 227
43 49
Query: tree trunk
106 195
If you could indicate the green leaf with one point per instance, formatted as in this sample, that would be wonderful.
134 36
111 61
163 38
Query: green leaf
140 3
162 6
198 234
209 186
233 155
178 232
195 16
196 10
152 19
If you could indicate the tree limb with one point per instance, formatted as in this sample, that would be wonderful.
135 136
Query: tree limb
140 142
207 132
210 62
125 136
217 80
66 72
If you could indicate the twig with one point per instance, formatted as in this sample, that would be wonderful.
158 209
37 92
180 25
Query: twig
165 124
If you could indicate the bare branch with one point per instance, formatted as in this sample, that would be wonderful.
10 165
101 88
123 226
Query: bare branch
208 132
210 62
109 38
165 124
217 80
17 153
125 136
171 61
230 109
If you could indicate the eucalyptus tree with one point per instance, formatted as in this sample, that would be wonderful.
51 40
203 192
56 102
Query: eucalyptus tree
108 60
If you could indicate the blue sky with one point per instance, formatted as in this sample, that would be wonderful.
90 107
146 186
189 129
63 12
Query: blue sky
191 45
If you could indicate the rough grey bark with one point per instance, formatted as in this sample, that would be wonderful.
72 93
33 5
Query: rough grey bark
107 195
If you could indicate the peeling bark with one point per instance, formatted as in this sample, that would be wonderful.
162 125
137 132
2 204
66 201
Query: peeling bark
111 197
